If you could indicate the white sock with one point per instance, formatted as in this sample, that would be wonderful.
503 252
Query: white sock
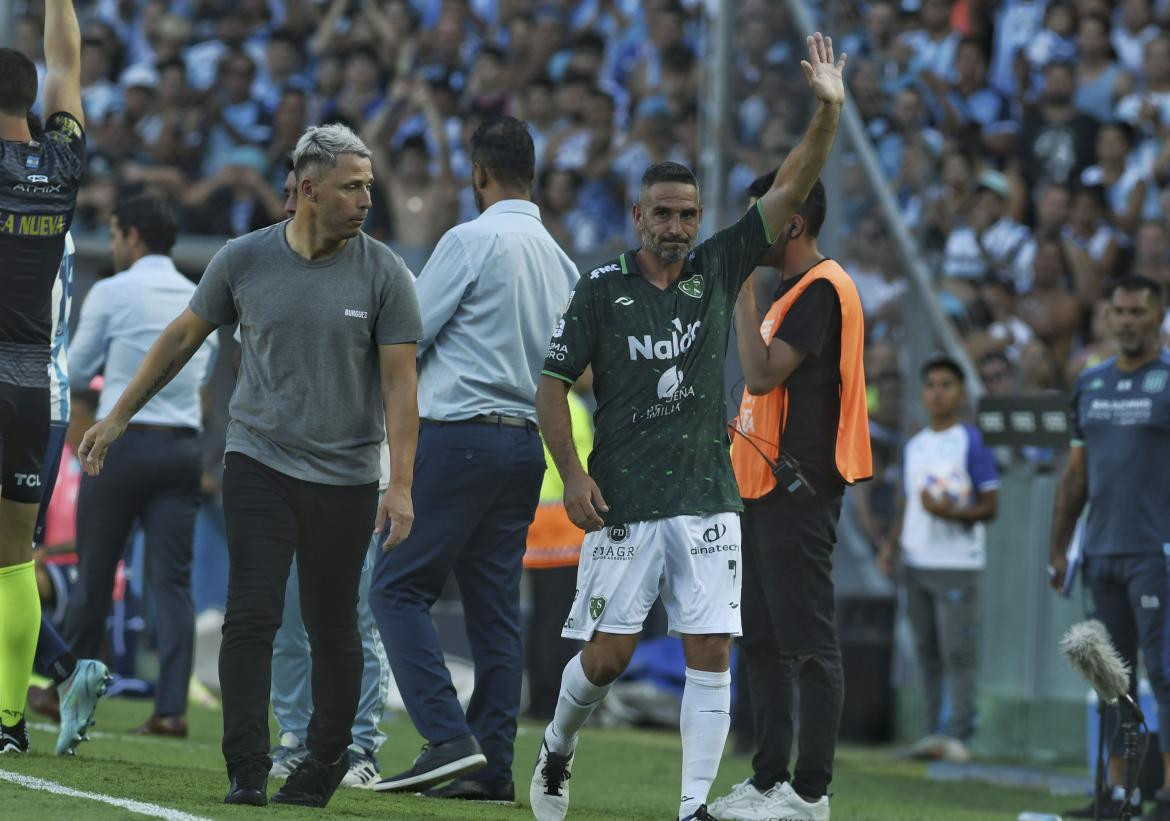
578 699
705 720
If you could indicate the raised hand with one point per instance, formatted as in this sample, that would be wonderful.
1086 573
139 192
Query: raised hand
823 75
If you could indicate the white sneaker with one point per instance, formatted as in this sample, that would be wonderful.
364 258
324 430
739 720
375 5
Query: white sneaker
955 751
785 805
549 793
743 803
927 748
287 756
363 769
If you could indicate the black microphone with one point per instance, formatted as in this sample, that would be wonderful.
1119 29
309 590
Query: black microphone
1087 649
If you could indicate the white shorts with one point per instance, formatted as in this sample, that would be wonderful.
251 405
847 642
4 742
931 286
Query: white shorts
692 562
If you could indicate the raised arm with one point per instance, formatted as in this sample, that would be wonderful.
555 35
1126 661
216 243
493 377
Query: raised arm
804 164
62 60
166 357
765 364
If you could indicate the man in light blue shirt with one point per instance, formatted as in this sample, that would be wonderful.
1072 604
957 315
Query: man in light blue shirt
489 296
156 480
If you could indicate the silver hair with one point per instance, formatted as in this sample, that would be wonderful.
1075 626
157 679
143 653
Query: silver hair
319 147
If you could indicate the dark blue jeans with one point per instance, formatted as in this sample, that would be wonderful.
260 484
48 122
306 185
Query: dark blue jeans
152 476
476 487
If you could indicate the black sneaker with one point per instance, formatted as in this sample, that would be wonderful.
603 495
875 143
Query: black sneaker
465 789
1110 808
313 781
250 787
701 814
14 739
436 764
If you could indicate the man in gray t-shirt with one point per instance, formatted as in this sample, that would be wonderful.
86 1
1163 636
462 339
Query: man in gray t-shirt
329 321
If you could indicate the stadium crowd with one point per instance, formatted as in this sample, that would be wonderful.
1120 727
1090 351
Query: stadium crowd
1025 139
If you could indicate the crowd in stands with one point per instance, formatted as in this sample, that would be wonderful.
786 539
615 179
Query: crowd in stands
203 99
1025 140
1027 145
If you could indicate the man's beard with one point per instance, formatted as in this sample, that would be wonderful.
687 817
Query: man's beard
1133 348
671 255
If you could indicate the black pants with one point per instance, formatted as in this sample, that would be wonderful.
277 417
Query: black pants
546 653
790 638
270 518
151 476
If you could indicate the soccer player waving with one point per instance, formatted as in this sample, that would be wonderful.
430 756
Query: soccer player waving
659 499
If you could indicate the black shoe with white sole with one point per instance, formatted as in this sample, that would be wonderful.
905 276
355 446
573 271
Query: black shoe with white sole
435 764
14 739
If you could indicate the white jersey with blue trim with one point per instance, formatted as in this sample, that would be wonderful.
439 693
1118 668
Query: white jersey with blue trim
58 357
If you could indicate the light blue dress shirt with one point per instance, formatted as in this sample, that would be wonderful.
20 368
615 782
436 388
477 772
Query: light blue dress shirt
490 295
120 319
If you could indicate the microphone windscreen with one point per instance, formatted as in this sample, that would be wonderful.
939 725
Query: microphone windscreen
1087 649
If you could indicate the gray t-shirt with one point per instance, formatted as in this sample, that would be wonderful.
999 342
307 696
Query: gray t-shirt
308 400
1122 419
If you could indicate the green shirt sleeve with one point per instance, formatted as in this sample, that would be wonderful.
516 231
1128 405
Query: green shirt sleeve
574 336
733 253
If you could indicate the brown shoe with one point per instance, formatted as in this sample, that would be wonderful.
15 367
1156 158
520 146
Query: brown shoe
169 726
45 701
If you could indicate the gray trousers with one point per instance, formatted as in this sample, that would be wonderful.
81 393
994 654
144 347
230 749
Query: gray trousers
943 608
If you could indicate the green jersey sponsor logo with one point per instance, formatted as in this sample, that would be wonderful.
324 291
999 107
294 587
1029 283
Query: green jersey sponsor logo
596 607
692 287
1097 384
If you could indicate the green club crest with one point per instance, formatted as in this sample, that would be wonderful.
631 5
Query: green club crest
596 607
692 287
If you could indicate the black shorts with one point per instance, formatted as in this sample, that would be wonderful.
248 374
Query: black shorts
24 435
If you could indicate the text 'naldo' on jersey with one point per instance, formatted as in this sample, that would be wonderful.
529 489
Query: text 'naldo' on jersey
660 446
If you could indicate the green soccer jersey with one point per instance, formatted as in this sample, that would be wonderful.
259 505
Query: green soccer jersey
660 443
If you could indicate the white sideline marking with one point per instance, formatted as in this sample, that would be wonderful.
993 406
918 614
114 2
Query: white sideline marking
140 807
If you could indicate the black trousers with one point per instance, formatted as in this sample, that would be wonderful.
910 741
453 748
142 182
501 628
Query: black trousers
270 518
151 476
790 638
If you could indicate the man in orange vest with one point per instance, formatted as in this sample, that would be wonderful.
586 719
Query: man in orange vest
801 436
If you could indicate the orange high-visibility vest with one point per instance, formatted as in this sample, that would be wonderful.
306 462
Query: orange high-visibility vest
762 418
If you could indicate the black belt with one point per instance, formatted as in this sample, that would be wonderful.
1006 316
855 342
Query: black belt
486 419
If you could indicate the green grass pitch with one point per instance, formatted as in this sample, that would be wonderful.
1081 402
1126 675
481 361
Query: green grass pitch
619 774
